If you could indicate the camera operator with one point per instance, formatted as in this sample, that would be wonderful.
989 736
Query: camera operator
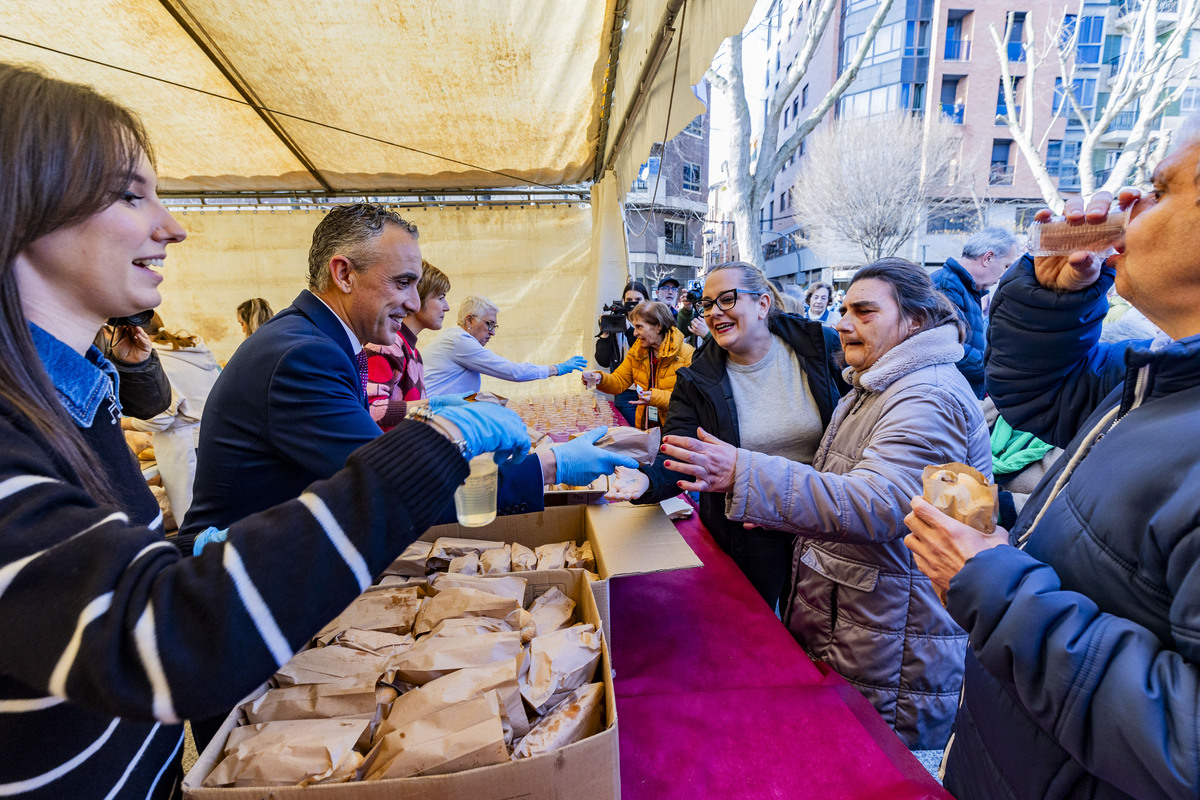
615 337
690 323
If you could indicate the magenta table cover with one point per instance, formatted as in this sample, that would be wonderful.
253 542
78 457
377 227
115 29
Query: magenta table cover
716 700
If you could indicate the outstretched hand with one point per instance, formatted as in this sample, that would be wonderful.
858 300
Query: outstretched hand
710 461
627 484
941 544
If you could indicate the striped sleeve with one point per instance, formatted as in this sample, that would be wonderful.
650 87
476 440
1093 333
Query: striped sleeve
106 614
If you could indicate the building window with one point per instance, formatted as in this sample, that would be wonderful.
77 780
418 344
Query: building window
916 39
691 177
802 147
871 102
1023 217
1062 162
950 219
696 126
1016 37
783 201
1001 172
796 106
675 232
804 96
1189 101
1084 90
887 46
1090 41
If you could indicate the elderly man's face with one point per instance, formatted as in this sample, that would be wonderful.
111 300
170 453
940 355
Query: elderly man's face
995 265
669 295
384 293
1159 270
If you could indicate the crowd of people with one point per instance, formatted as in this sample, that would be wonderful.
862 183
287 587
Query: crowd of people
1058 656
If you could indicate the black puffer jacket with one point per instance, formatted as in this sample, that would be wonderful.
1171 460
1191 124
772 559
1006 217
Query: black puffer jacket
703 398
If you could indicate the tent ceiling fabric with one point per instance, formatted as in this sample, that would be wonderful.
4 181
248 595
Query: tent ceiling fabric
507 85
512 86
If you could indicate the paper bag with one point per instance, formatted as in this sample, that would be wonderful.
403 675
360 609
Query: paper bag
389 610
331 664
384 644
559 663
446 548
551 611
469 626
581 557
348 698
579 716
496 562
466 564
290 754
499 677
452 603
411 562
552 556
506 586
459 737
523 559
642 446
963 493
433 657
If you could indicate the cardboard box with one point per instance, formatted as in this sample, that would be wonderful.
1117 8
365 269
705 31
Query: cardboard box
587 769
626 539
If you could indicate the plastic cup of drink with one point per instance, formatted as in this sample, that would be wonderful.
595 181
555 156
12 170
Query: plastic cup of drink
475 500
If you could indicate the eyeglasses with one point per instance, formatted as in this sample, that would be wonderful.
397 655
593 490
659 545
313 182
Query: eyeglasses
724 301
491 326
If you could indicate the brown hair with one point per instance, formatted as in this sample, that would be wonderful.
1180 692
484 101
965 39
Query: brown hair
66 153
914 293
812 290
253 313
655 313
433 282
755 281
158 334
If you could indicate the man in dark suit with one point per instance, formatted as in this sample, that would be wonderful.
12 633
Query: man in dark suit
290 406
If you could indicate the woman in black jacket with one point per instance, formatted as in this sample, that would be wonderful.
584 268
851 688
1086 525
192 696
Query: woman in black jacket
110 637
770 384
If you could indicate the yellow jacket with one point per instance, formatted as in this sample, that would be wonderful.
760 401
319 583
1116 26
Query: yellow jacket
673 354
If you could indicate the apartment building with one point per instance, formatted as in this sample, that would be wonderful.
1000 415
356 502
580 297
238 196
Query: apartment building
666 208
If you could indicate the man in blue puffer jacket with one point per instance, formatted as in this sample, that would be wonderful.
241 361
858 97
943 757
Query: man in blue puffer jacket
986 256
1083 675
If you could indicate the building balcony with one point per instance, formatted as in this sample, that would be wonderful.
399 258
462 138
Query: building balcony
678 248
958 50
1000 174
953 112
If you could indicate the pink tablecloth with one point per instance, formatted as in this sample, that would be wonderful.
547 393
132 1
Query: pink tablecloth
715 698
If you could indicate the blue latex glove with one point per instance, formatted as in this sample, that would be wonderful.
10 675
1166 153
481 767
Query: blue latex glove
573 364
489 428
447 400
579 461
208 536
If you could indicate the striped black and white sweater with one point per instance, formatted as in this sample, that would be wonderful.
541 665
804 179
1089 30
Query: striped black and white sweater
109 638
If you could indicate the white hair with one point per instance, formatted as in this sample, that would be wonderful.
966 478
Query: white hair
475 306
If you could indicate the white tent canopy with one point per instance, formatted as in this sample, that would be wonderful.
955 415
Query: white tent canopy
345 97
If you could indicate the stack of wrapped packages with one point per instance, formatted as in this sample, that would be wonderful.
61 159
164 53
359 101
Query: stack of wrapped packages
423 560
443 675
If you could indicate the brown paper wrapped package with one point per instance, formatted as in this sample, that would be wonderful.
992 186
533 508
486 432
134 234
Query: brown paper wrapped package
351 697
385 644
457 603
581 557
459 737
559 663
551 611
496 562
552 556
523 558
499 677
290 753
388 610
641 446
447 548
332 664
432 657
578 717
505 586
411 562
466 564
963 493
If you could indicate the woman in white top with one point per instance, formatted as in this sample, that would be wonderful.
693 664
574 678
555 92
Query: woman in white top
456 359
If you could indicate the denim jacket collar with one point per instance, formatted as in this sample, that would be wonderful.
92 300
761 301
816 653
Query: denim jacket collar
82 381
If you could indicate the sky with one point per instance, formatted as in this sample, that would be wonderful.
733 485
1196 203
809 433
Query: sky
754 64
